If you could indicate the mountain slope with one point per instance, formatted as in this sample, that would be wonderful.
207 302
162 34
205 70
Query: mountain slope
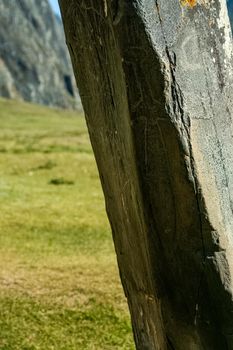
34 62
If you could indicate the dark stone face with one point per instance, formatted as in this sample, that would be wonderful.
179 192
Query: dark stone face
34 60
156 84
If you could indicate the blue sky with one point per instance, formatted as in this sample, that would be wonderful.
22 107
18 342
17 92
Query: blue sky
55 6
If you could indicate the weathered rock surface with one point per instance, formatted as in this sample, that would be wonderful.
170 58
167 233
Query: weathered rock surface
34 61
156 81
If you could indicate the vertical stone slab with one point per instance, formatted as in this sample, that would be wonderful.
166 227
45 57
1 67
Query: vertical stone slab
155 78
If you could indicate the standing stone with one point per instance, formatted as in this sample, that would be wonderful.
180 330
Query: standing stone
155 78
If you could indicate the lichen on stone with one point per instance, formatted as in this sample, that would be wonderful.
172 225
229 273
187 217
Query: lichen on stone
190 3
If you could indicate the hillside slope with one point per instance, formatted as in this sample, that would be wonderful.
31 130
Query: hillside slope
34 61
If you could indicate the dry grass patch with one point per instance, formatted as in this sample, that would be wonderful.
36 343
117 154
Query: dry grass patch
59 284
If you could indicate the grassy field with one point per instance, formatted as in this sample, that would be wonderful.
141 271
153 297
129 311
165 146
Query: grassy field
59 284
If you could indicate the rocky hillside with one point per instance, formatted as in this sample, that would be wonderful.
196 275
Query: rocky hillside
34 62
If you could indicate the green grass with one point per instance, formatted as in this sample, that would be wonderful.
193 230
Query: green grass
59 284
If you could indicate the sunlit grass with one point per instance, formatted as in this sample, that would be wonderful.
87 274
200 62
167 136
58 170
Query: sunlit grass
59 285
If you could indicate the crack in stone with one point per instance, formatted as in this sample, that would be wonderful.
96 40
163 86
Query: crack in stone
178 109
